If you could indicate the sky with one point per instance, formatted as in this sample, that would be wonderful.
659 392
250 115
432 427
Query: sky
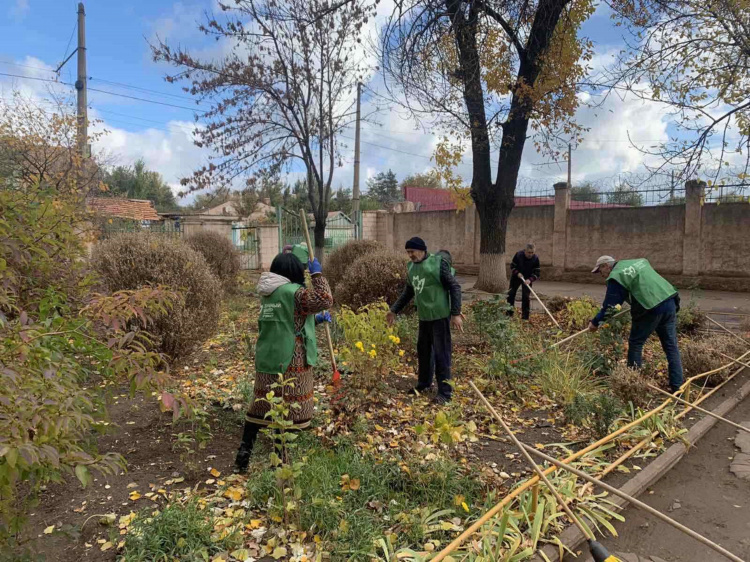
158 125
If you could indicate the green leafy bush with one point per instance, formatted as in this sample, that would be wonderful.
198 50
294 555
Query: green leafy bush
598 412
372 277
220 254
132 261
579 312
342 258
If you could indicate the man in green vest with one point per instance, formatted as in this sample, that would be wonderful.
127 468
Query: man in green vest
437 294
654 304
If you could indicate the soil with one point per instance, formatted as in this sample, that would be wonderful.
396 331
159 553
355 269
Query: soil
700 493
145 437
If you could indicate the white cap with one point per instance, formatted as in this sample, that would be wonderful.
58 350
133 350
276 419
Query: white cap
601 261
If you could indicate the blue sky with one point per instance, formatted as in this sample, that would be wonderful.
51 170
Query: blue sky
36 34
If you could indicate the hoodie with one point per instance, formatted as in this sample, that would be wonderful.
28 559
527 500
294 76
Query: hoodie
269 282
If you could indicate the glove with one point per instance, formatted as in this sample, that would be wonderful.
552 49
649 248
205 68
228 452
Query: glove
314 266
321 317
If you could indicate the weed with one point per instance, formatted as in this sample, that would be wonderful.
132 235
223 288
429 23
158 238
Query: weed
562 377
690 317
183 532
246 390
598 412
189 443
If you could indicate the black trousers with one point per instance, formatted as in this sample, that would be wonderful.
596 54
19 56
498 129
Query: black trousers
515 282
434 350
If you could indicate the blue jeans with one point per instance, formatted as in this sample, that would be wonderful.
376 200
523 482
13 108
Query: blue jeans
663 321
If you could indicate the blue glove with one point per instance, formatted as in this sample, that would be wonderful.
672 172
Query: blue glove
314 266
321 317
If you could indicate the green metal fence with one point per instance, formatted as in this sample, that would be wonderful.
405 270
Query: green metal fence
112 227
245 239
340 228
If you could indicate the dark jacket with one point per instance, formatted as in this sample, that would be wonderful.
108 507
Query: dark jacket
617 294
529 268
449 284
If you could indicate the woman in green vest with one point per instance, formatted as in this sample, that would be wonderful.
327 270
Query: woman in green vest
654 304
286 344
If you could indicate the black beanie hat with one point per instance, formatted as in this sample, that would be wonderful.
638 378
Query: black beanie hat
416 243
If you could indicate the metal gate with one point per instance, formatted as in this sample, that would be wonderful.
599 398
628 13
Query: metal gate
340 228
245 239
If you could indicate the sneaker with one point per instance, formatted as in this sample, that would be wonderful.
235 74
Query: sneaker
674 389
441 400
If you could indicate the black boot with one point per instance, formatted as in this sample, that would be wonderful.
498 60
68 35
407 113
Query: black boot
249 435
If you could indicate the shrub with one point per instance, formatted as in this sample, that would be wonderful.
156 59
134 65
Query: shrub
371 346
220 254
745 325
700 356
339 261
690 318
557 303
579 312
131 261
373 277
630 385
562 377
598 412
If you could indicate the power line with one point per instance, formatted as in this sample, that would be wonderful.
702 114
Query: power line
130 86
391 149
75 26
27 66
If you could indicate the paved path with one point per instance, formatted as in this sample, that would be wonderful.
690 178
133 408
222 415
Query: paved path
700 493
729 307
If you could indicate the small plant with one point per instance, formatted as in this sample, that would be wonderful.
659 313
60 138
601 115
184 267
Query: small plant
189 443
579 312
690 317
598 412
562 377
630 385
184 532
447 429
371 348
489 315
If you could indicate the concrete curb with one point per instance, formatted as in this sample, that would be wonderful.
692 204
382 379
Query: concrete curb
572 537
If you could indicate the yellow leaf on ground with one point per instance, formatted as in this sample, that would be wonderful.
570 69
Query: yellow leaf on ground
539 445
278 552
49 530
134 495
106 546
215 473
354 484
254 524
466 507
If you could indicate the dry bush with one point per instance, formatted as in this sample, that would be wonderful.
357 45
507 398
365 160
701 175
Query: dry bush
380 275
557 303
131 261
630 385
745 325
702 355
342 258
221 255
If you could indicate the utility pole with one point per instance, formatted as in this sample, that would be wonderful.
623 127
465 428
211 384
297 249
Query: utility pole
671 189
570 164
81 85
355 185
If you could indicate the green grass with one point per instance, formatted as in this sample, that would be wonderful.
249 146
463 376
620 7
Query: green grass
177 532
388 496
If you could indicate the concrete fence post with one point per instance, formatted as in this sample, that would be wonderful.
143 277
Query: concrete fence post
691 249
560 232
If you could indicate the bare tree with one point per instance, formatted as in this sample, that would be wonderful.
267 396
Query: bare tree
693 56
282 95
493 73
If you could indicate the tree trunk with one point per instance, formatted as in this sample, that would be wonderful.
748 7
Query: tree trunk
320 240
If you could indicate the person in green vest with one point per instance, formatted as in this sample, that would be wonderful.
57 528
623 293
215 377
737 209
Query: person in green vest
654 304
286 344
433 286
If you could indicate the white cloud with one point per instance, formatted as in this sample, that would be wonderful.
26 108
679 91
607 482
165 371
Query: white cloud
19 9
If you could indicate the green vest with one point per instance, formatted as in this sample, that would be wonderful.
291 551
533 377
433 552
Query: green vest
640 279
431 298
275 347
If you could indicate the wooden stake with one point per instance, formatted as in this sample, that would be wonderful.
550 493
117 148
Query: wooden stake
540 301
611 489
623 311
707 412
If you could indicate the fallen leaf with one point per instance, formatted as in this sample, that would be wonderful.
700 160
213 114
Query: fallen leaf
49 530
134 495
354 484
278 552
215 473
106 546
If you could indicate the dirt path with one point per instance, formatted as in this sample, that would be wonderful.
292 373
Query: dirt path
700 493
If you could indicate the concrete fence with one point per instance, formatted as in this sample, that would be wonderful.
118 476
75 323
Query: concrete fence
691 244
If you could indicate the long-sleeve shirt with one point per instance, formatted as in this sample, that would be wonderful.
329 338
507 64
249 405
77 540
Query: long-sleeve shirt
449 283
617 294
528 267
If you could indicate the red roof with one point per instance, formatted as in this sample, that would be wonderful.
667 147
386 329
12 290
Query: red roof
434 199
132 209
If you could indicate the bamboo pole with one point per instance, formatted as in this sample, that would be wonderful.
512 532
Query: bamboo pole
586 532
747 365
533 292
310 250
727 330
707 412
528 450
